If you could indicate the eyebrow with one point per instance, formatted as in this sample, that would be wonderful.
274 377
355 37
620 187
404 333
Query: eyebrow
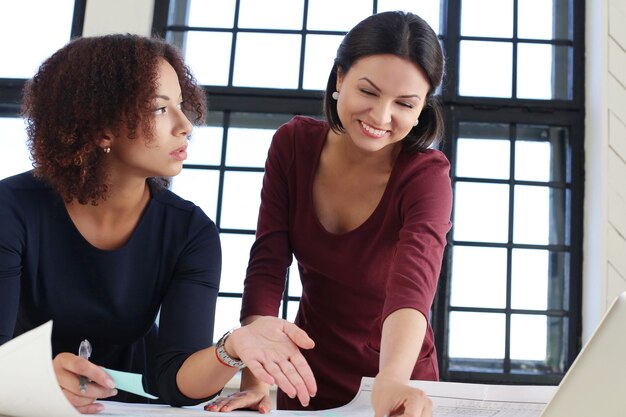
164 97
378 89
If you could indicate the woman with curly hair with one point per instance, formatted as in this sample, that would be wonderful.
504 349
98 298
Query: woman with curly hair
93 239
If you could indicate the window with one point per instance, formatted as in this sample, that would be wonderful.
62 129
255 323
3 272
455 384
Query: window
62 20
508 306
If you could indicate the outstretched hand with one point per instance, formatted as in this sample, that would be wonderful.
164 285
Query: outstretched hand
68 367
270 348
393 398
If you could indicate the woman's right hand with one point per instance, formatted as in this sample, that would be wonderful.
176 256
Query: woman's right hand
68 369
253 398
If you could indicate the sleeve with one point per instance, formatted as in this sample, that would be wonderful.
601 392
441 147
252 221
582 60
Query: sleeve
425 212
271 253
12 242
188 310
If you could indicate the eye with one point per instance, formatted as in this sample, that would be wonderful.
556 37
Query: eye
367 92
160 110
406 104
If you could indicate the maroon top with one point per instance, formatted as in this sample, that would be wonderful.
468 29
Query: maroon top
351 281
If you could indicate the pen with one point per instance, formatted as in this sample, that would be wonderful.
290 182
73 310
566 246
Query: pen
84 351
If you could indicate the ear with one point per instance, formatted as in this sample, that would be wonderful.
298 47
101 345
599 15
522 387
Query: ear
339 79
104 139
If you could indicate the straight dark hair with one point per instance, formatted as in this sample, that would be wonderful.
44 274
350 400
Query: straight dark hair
405 35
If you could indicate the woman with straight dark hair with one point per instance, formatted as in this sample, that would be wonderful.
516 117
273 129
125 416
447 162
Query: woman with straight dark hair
92 240
363 202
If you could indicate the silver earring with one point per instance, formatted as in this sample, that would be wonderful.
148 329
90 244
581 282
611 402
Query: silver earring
416 122
335 95
107 149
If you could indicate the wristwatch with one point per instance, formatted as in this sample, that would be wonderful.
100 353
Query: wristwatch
223 356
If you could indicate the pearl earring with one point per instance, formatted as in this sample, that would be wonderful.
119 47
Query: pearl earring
335 95
416 122
107 149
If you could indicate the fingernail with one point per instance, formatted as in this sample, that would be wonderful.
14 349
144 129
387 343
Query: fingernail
113 392
110 384
99 407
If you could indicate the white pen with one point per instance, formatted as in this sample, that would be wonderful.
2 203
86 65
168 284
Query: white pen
84 351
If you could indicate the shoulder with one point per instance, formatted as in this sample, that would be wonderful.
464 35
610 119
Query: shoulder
179 211
302 129
24 187
427 164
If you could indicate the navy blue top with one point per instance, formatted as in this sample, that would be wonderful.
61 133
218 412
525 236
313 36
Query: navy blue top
171 263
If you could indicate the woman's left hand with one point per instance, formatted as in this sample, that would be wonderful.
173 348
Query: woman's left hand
270 348
394 398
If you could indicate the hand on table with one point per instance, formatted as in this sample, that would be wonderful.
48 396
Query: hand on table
252 398
394 398
68 368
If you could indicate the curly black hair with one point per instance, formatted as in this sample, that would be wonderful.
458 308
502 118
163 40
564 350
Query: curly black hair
90 85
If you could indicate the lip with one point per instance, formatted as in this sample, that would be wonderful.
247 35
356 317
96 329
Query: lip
180 154
371 131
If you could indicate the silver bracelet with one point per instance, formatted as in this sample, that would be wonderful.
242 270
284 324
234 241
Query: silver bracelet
223 356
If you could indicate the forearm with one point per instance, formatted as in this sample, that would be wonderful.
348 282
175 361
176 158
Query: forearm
202 375
402 337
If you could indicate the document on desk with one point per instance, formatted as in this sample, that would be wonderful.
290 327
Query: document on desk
449 400
28 388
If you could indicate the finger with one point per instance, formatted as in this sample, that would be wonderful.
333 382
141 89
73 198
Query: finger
68 367
282 381
296 380
305 372
298 336
260 372
265 405
77 400
91 408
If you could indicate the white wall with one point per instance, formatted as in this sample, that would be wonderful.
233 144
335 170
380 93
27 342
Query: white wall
605 152
104 17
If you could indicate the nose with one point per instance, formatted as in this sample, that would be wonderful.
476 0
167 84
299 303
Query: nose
183 126
381 112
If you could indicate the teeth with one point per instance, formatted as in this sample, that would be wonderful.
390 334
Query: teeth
372 130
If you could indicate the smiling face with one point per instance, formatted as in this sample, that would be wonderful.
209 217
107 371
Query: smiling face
163 153
380 98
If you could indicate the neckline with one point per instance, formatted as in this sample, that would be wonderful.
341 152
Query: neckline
374 212
88 244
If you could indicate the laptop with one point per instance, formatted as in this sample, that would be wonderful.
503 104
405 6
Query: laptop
595 384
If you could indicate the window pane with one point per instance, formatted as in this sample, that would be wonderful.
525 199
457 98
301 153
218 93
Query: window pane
205 146
479 79
529 276
208 56
21 31
242 197
295 285
535 19
481 212
199 186
267 60
209 13
528 337
319 57
15 157
487 18
248 147
537 75
483 158
541 153
227 312
532 160
478 277
235 254
263 14
428 10
337 15
532 215
292 310
476 335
